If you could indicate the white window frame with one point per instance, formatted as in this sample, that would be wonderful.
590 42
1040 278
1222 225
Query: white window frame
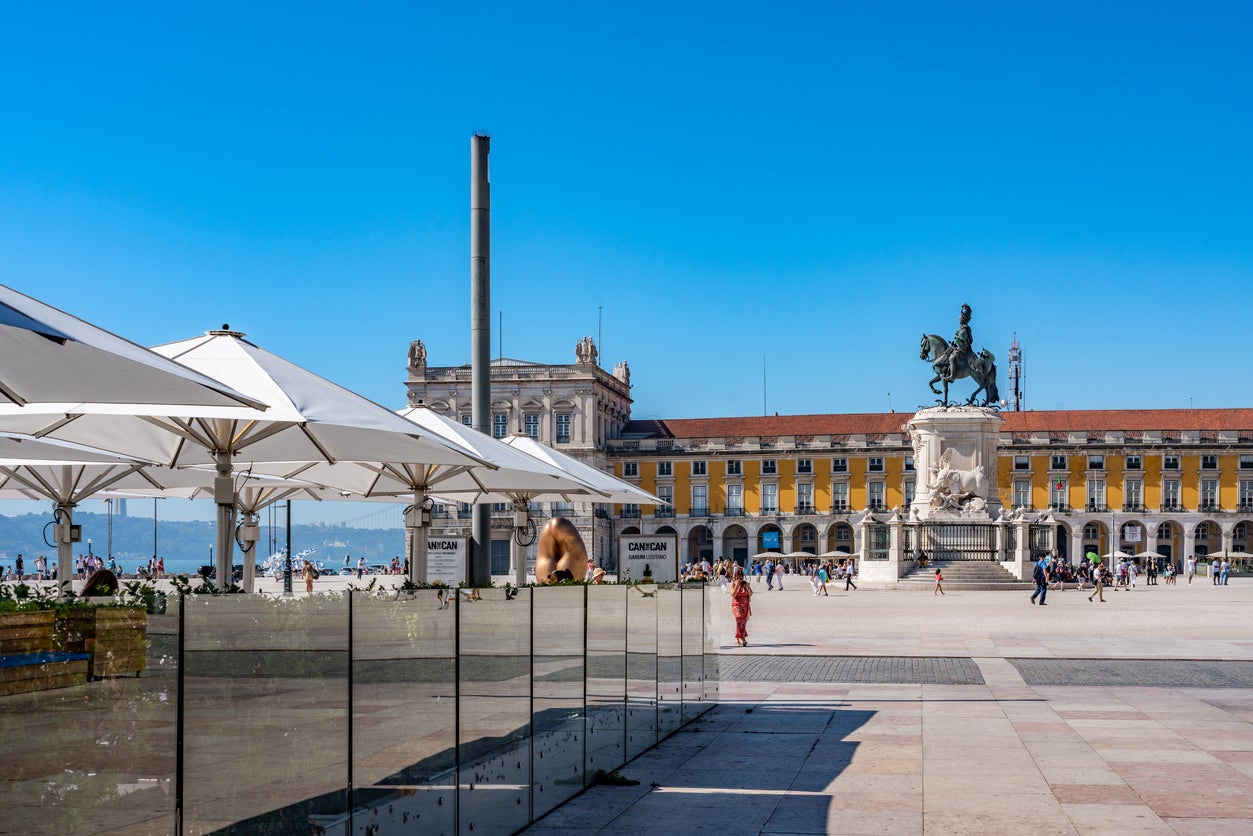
1096 462
1058 462
1096 493
839 496
1209 462
1170 493
500 424
530 424
1209 494
1133 493
630 470
1022 493
735 499
1170 462
1134 463
805 466
876 495
874 464
665 469
804 497
769 498
564 425
700 501
769 467
700 468
1022 463
839 465
735 467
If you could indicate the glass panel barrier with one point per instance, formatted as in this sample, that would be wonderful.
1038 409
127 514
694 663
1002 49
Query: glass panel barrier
404 697
494 710
606 677
265 719
693 648
557 734
641 688
717 613
88 745
669 659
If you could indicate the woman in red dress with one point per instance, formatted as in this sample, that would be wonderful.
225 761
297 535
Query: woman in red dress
741 592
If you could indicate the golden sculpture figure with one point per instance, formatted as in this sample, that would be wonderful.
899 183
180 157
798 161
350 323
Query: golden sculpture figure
561 554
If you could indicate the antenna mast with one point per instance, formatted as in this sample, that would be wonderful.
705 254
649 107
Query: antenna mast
1016 387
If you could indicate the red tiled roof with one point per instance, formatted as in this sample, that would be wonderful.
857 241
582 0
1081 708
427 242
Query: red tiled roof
1061 421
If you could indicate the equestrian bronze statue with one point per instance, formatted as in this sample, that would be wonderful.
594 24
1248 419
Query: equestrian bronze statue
955 360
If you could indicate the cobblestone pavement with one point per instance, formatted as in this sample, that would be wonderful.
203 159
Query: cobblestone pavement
893 670
1135 673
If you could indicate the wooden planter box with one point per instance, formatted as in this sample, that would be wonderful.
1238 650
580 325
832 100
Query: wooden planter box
119 645
116 638
25 632
28 661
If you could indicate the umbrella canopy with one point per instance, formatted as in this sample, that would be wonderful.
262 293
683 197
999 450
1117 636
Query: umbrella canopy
51 359
1120 555
611 487
308 419
515 477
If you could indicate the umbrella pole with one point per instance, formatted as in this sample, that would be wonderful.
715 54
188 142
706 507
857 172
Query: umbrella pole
224 495
65 549
416 521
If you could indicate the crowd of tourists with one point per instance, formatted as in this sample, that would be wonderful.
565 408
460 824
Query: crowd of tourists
1054 574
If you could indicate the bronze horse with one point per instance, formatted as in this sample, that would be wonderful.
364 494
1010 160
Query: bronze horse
981 368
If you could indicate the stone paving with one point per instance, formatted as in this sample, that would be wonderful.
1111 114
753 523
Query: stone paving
1131 717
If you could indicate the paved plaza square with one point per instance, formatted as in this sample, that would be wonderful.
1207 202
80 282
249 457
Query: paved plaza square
906 713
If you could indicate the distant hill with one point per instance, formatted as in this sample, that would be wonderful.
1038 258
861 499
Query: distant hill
189 541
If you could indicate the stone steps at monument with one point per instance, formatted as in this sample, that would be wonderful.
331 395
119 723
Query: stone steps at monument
964 574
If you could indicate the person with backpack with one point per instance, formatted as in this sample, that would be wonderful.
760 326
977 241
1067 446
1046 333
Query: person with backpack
1041 577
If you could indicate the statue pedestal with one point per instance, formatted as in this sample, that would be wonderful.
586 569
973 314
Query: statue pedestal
955 458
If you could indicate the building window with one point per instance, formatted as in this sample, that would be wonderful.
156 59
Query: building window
735 468
1092 531
665 468
1170 494
1022 493
909 493
563 428
630 511
1133 490
769 499
699 469
1058 491
666 494
1096 462
804 498
843 534
874 493
700 501
1096 494
1134 463
500 425
875 464
804 465
769 467
467 420
1022 462
909 464
1057 463
1170 462
735 500
1246 495
1209 462
839 496
839 465
630 469
1202 531
1209 494
530 424
1164 532
1246 462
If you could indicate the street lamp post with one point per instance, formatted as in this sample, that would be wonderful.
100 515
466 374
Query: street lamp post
287 590
109 505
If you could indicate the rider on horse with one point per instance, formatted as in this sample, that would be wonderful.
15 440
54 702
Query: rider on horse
959 352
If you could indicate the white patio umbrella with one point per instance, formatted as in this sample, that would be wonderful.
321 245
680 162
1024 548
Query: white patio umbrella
50 358
517 478
69 474
614 489
308 419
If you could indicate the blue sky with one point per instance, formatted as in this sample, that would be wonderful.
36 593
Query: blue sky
804 188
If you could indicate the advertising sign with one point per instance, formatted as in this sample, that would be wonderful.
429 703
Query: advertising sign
653 558
770 539
446 559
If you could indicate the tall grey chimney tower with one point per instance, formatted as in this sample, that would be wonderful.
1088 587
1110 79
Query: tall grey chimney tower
480 340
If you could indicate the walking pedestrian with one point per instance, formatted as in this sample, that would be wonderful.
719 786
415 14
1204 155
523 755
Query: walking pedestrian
741 608
823 576
778 574
1224 571
1040 574
1100 579
939 579
768 570
848 575
1189 568
360 566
